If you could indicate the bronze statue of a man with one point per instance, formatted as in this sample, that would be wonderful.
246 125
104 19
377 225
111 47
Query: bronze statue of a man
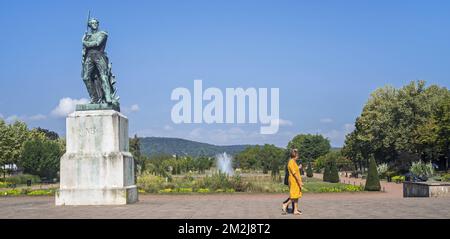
96 69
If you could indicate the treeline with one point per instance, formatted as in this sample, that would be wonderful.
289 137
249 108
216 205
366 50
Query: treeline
36 151
271 158
152 146
266 158
401 126
165 165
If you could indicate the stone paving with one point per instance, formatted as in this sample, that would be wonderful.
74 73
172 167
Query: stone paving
393 189
387 204
257 206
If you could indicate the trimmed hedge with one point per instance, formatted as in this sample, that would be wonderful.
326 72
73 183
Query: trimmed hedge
309 171
334 174
372 181
22 179
331 173
326 173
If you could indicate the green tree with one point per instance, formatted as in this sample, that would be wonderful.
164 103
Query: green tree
5 147
157 165
266 158
19 134
51 135
372 181
139 159
12 140
203 163
272 158
41 157
341 161
442 118
407 121
310 146
248 158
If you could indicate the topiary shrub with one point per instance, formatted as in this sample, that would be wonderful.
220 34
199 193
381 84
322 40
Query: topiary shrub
372 181
333 173
309 171
326 173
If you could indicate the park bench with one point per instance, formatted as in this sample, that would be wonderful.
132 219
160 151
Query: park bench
47 181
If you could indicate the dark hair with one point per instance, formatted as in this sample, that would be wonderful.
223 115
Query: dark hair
294 153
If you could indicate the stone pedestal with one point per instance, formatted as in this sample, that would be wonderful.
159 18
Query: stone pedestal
97 168
426 189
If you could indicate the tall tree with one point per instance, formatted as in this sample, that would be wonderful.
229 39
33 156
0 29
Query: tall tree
41 157
310 146
48 133
139 160
442 118
5 146
405 121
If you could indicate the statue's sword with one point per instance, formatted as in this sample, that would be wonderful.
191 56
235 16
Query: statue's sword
85 34
87 22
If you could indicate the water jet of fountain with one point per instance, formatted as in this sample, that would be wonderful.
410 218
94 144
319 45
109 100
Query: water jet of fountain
224 163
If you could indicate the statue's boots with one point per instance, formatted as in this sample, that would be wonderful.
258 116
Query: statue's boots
91 91
106 89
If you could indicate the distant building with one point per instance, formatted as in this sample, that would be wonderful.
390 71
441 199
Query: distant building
11 167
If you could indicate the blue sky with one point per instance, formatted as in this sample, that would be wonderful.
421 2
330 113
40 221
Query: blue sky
324 56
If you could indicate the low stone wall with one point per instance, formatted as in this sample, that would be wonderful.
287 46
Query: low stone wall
426 189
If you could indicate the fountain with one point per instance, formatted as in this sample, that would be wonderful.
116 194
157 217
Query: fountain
224 163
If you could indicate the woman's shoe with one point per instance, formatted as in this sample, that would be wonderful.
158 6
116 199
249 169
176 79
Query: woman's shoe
298 212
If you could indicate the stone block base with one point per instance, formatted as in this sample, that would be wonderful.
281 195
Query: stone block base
107 196
426 189
97 168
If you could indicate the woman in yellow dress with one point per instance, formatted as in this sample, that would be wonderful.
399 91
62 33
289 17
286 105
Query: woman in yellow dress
295 183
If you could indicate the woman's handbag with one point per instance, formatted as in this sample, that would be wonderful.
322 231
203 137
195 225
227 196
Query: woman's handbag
286 176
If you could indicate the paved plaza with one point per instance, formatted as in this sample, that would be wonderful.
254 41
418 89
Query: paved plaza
383 205
258 206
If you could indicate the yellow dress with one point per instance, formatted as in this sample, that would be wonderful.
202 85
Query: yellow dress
294 190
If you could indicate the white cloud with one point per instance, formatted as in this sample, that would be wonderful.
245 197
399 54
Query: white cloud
233 135
134 108
220 136
326 120
349 127
196 133
131 109
67 105
337 136
12 118
168 127
282 122
37 117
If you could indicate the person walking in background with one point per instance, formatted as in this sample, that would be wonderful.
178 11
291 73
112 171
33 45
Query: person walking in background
295 183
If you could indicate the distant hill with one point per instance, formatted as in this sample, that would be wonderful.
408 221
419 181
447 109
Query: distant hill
161 145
